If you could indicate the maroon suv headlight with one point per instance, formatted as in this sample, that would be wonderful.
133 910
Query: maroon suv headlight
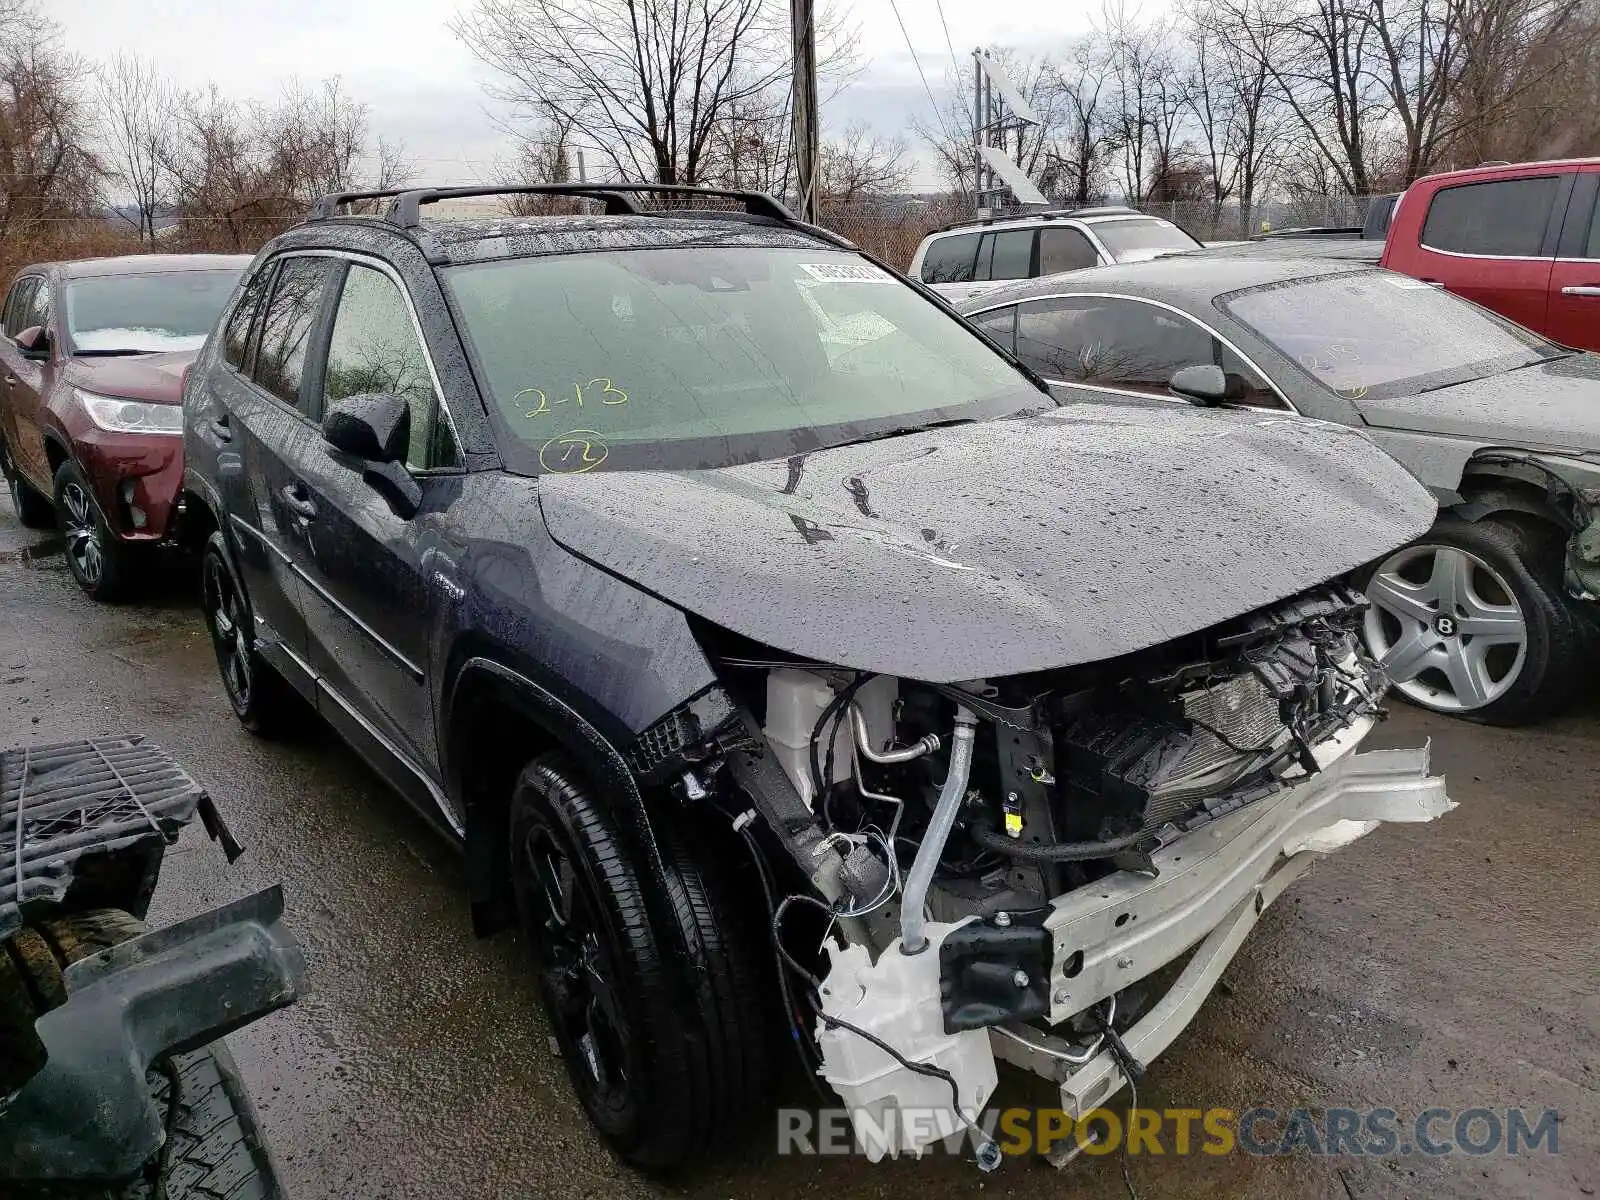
131 416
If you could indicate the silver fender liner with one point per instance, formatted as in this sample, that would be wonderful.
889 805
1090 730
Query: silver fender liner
1212 886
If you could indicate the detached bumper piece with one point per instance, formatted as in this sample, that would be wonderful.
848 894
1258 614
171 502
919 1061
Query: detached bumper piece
1210 887
88 1116
91 818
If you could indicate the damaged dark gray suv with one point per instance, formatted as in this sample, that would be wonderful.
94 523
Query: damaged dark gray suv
728 598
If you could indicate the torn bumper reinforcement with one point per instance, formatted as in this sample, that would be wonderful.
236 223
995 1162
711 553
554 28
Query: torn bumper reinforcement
1209 888
88 1115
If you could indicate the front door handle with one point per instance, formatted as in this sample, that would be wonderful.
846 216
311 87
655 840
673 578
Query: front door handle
1588 289
11 380
1431 282
220 428
300 504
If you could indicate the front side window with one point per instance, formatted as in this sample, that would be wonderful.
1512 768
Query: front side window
1129 345
36 307
374 348
1000 324
1375 333
949 259
683 358
145 312
1108 342
242 322
286 328
17 303
1062 248
1134 239
1506 217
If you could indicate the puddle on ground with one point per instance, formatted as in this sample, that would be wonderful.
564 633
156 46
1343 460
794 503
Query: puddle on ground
28 555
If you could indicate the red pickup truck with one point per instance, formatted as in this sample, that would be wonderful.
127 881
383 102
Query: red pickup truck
1522 239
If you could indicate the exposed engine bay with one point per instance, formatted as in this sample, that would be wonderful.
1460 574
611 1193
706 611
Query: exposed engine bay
951 834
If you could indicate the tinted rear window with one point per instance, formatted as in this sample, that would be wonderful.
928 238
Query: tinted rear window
1505 217
949 259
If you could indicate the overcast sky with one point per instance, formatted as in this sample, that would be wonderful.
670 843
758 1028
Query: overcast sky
425 89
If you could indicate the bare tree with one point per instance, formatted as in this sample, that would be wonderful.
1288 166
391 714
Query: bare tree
648 81
1084 143
1147 100
861 164
136 106
46 169
1234 105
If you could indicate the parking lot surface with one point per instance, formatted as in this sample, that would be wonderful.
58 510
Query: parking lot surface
1451 965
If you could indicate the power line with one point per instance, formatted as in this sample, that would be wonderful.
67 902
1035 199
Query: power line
938 114
954 61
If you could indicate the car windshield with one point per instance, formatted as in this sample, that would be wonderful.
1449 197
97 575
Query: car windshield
1375 333
710 356
146 312
1139 238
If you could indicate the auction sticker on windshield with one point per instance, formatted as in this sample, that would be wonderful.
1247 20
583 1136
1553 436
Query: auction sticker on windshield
846 272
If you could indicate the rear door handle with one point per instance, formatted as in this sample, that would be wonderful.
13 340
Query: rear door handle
220 428
300 504
11 380
1588 289
1431 282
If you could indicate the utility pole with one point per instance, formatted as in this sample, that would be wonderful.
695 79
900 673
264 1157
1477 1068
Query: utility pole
804 106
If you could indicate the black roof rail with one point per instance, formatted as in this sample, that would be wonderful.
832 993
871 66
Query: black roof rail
617 197
328 206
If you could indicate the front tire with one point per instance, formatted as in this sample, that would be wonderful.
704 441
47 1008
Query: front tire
660 1023
1471 620
33 510
262 700
104 566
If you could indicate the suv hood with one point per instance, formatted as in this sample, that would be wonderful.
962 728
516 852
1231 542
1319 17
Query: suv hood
153 377
1550 406
1003 547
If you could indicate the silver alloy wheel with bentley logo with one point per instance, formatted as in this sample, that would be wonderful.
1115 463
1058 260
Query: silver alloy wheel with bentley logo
1446 627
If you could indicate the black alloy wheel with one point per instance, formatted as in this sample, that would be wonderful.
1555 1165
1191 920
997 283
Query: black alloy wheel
262 700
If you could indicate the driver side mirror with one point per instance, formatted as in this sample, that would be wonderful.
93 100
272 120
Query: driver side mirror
34 342
1204 384
375 429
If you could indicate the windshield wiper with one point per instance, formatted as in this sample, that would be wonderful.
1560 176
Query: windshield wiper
113 353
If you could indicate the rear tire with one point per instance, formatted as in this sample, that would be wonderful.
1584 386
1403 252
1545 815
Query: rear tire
262 700
216 1150
34 511
663 1030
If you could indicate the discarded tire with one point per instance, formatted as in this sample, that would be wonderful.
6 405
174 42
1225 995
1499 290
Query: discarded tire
215 1151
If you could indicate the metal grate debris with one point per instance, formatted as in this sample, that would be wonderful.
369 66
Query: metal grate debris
64 802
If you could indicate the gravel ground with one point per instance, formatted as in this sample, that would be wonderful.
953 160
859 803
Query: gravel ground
1455 964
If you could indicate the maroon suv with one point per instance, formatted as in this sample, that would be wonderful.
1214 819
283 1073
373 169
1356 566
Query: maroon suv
91 375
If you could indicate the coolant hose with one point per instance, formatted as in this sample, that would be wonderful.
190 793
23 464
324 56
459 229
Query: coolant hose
990 838
912 938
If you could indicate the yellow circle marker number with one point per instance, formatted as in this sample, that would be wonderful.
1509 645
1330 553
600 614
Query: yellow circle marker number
572 453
